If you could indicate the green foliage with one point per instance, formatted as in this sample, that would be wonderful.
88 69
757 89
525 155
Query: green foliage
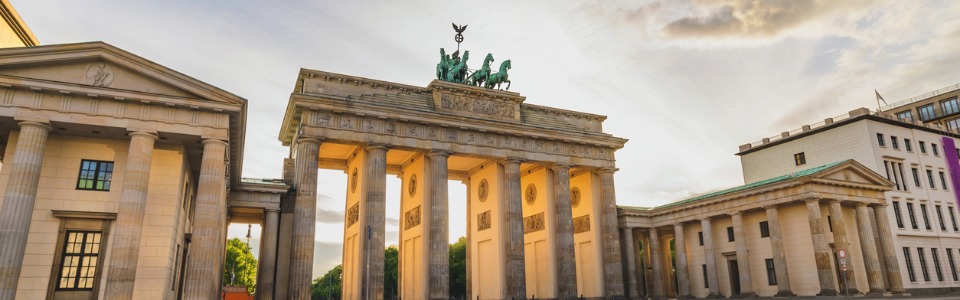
458 269
328 285
390 266
241 263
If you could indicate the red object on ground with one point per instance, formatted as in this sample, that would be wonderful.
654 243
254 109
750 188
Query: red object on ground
236 293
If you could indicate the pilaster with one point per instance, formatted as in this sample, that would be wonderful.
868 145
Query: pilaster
680 247
612 279
566 267
631 276
267 269
207 246
658 292
304 218
512 221
439 269
375 182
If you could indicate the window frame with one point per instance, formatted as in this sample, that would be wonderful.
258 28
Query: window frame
764 229
80 257
909 261
923 147
952 108
923 264
79 221
933 185
896 213
99 166
916 176
913 217
700 235
730 236
936 264
905 116
943 181
880 140
907 145
925 114
926 217
771 271
943 225
800 159
894 143
953 218
706 281
933 147
953 265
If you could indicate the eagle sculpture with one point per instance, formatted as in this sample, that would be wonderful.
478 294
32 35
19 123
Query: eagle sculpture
459 29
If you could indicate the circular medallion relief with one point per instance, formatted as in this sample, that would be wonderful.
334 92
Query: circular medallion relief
353 181
531 194
483 190
412 185
99 74
575 197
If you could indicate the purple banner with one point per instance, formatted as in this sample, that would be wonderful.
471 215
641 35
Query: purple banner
953 165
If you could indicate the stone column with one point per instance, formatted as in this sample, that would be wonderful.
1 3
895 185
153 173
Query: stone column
304 219
657 292
680 247
743 256
711 258
439 269
879 247
133 201
268 254
613 282
566 265
870 260
205 265
512 220
469 257
631 276
841 242
375 185
889 252
18 201
821 250
640 273
779 253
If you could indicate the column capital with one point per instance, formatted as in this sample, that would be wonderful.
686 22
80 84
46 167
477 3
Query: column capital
677 224
559 166
41 125
607 170
815 200
832 201
706 218
271 209
769 207
215 141
736 213
144 133
511 160
311 140
377 147
438 152
859 204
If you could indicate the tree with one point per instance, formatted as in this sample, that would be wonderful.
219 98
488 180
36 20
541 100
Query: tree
390 257
328 285
458 269
240 265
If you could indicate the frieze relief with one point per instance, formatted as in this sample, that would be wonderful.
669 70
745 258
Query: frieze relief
483 221
533 223
581 224
411 218
478 106
456 135
353 214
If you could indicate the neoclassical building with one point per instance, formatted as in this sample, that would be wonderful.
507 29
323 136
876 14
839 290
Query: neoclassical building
775 237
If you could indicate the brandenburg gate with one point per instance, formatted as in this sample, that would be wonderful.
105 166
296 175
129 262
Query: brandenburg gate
541 214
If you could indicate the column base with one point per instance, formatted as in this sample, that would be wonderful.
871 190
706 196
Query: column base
900 293
878 292
785 294
688 296
715 295
827 292
745 295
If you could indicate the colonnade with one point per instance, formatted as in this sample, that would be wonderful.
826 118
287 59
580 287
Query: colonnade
874 246
363 251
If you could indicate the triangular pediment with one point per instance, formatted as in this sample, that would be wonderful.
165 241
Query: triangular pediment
852 172
103 67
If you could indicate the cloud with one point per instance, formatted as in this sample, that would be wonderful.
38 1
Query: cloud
750 18
329 216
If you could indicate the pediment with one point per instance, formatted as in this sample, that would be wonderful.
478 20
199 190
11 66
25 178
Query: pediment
852 172
105 68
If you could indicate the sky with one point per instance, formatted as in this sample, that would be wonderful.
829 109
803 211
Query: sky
686 81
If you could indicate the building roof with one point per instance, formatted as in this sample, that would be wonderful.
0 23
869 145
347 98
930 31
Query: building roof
769 181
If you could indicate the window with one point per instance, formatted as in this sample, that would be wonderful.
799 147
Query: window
943 226
930 179
923 265
799 159
893 142
78 265
926 220
900 168
950 106
953 124
887 166
926 112
936 263
943 181
953 266
95 175
896 213
916 177
729 234
905 116
880 140
764 229
934 148
700 234
923 147
706 283
907 145
913 218
830 223
953 218
771 272
908 260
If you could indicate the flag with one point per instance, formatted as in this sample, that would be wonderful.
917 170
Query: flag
879 98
